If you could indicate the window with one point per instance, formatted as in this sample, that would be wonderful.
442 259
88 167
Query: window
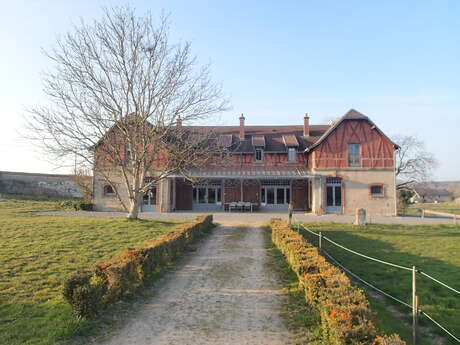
354 155
291 154
259 155
275 192
206 194
376 190
108 190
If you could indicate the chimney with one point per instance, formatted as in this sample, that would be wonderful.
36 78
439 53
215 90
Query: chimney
242 133
179 122
306 126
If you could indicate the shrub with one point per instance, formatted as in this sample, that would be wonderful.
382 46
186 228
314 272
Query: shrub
345 313
85 294
77 205
88 291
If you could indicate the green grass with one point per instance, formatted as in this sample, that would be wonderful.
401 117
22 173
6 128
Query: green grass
302 320
433 249
447 207
38 252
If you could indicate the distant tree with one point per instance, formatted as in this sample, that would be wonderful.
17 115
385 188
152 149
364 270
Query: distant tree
118 92
82 179
404 199
413 163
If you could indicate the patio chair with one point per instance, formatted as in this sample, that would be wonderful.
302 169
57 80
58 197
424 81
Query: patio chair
247 206
232 205
240 205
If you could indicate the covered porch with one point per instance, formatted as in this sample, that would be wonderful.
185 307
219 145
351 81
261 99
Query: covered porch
263 189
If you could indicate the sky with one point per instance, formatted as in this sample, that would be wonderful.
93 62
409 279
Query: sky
397 62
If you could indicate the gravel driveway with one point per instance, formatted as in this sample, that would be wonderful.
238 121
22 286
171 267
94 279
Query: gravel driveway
224 294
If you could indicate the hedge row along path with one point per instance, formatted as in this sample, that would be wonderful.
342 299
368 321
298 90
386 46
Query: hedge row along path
224 293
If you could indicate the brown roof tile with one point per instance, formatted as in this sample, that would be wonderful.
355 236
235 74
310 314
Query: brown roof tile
273 136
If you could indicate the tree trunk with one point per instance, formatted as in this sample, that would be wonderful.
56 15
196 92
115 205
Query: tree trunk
134 207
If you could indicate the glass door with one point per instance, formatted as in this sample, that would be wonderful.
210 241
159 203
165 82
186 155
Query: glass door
206 195
271 196
333 195
149 200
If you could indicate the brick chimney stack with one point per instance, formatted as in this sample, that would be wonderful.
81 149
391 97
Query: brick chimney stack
306 125
242 133
179 122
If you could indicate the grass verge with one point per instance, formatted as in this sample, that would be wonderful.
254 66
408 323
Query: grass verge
301 319
434 249
38 252
447 207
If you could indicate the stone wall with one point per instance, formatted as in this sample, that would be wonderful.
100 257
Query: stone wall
31 184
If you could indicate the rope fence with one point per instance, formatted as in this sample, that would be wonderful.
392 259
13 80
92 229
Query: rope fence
365 282
415 304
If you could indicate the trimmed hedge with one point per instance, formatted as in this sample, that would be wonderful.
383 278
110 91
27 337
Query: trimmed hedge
88 291
345 314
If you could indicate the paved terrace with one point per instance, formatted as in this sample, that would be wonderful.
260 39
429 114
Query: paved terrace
261 217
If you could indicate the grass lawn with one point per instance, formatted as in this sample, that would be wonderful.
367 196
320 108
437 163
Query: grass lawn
447 207
38 252
433 249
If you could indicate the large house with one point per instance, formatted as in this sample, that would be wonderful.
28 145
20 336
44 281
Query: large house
334 168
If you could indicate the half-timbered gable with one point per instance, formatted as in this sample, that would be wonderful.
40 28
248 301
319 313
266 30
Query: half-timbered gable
332 151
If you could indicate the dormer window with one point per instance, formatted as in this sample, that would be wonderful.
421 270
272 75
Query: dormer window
259 155
292 154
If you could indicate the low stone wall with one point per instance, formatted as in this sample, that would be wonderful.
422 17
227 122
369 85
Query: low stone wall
48 185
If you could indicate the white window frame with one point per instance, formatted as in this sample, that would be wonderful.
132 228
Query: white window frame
292 154
354 165
217 190
261 155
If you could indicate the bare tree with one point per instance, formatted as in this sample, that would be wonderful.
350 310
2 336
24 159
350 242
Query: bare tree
82 179
413 163
118 93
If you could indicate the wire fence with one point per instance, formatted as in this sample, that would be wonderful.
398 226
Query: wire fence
414 306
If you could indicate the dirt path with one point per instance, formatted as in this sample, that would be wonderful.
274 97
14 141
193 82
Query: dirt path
225 294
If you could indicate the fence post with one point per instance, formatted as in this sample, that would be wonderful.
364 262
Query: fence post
414 305
320 241
290 208
423 213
